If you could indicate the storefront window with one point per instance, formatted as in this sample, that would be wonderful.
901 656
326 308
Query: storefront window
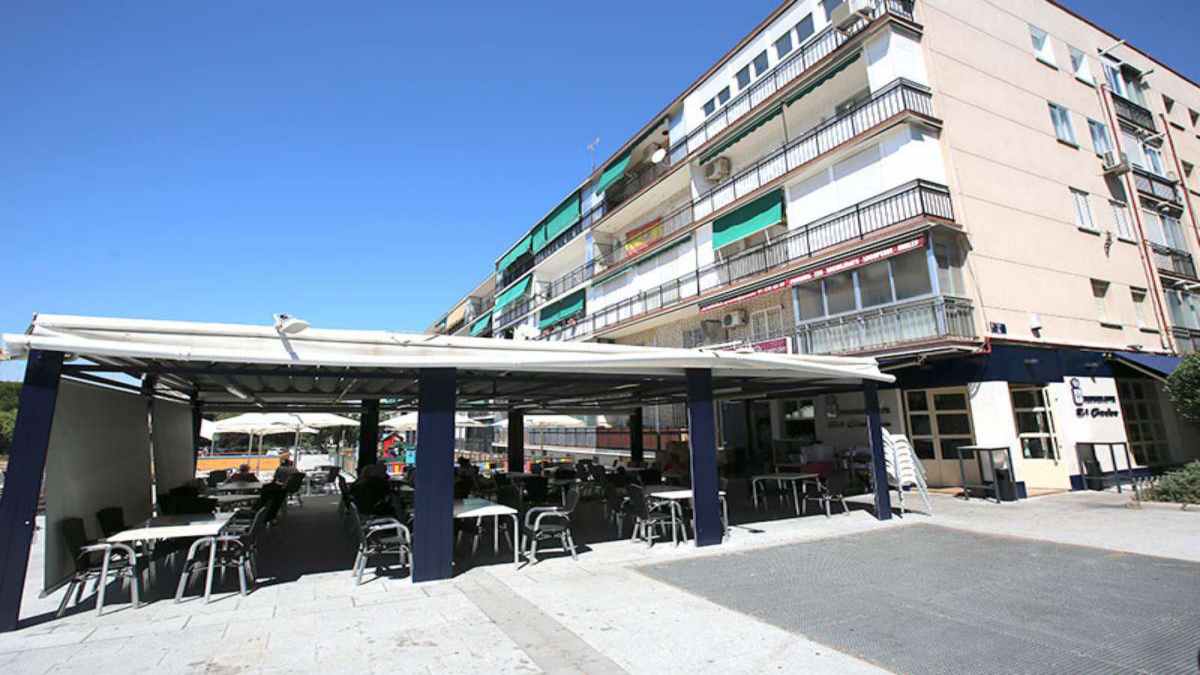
1143 421
1035 422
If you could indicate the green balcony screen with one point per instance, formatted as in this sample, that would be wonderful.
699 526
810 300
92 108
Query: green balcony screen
754 217
517 251
482 324
513 292
559 221
572 305
613 172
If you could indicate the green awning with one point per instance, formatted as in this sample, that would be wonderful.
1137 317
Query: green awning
517 251
746 131
482 324
753 217
513 292
556 223
564 309
829 75
613 172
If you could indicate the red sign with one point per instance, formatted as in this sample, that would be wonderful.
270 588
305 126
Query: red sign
858 261
776 346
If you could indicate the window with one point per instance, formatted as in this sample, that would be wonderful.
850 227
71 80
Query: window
766 324
760 63
1101 142
1138 296
1133 148
799 420
1035 422
1080 67
783 46
1188 170
939 422
1173 230
875 284
911 275
1144 426
743 78
1154 160
1183 307
839 293
723 96
1041 45
1195 116
810 301
710 107
1100 294
1061 118
1112 75
1168 104
950 263
830 5
881 283
1154 227
1121 221
693 337
805 29
1083 211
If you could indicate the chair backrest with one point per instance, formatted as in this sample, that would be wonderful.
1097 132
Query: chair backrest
270 498
508 495
74 535
597 472
837 483
194 505
112 520
294 481
613 496
536 488
637 501
215 478
571 500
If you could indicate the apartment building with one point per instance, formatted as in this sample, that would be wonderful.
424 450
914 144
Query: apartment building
994 198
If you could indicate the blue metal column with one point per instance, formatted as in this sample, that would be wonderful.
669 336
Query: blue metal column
433 525
23 483
516 441
883 499
368 434
637 441
702 436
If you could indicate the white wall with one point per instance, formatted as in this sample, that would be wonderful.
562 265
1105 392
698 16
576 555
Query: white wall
892 55
644 276
1073 429
902 155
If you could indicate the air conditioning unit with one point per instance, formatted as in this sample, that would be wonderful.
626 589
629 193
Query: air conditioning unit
846 15
1116 163
734 319
718 170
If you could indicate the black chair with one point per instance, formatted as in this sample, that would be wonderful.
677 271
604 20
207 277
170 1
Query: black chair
271 498
215 478
647 522
98 562
379 537
537 489
545 523
616 506
112 520
237 548
834 487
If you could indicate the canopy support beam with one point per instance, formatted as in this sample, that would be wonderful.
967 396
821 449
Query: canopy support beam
23 485
883 498
637 445
702 436
433 527
368 433
516 441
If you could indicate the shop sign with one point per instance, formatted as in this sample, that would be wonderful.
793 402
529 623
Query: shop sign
858 261
1093 407
776 346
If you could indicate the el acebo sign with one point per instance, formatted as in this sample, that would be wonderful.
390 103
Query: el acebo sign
1092 406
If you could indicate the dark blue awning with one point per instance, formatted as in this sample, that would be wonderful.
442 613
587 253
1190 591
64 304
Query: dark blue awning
1158 366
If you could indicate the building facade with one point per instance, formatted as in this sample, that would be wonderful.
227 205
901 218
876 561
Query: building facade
994 199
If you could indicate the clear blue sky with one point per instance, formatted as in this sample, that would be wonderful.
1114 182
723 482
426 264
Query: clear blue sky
360 165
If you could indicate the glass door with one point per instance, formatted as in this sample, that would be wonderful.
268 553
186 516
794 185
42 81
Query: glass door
939 422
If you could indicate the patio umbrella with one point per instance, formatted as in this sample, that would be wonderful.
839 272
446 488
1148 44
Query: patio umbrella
408 422
549 422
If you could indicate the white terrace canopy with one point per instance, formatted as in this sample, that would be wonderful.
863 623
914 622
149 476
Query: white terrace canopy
179 368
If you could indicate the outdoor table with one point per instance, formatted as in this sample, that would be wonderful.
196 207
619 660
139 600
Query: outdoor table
185 526
474 507
238 486
674 496
990 451
231 499
781 478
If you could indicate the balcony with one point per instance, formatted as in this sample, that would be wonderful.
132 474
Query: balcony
802 61
1154 186
887 327
898 98
1173 261
1187 341
1133 113
913 201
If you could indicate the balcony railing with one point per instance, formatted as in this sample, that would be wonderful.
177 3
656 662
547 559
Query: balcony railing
913 200
516 309
1155 186
798 64
1173 260
594 437
899 97
1133 113
885 327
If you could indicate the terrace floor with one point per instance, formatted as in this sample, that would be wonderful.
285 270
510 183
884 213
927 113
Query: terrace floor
622 607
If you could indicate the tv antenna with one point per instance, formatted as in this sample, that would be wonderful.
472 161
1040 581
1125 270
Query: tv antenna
592 149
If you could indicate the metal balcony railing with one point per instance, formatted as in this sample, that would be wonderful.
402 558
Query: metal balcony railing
889 326
1173 260
800 62
910 201
899 97
1155 186
593 437
1133 113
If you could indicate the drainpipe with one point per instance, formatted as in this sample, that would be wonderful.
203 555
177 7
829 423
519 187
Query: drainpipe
1187 197
1135 204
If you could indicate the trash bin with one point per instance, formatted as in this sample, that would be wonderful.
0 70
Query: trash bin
1006 488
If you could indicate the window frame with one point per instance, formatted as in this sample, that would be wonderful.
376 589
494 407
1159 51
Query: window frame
810 24
1045 52
1139 306
1046 409
743 78
1100 289
766 64
1122 220
1095 126
781 53
766 314
1082 207
1073 139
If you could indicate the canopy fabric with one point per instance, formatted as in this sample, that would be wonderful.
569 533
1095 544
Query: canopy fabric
482 324
408 422
745 131
754 217
613 172
264 423
513 292
829 75
206 429
561 310
1157 366
456 315
515 253
559 221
